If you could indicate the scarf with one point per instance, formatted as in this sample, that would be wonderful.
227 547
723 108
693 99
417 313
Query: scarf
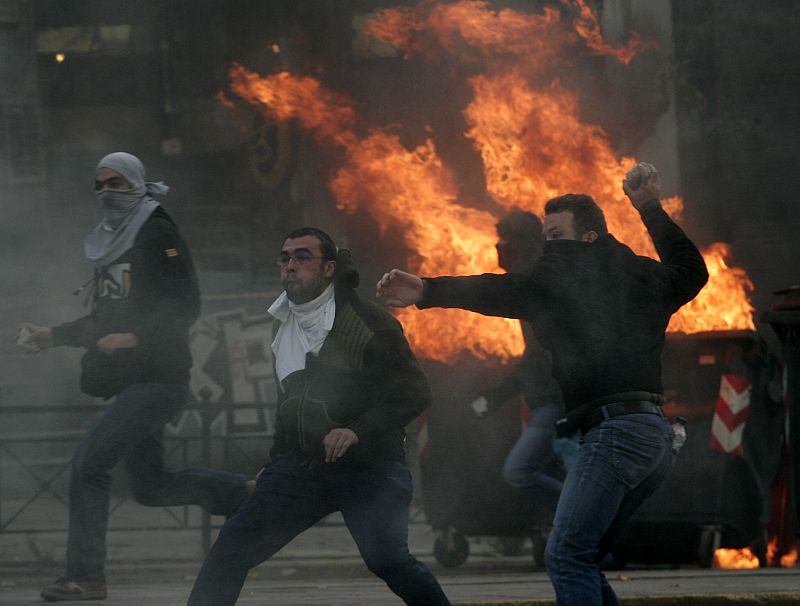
304 327
124 211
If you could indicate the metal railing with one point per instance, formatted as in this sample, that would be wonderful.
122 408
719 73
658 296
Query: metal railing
46 472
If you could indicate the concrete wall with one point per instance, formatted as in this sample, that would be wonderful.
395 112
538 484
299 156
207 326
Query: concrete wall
737 71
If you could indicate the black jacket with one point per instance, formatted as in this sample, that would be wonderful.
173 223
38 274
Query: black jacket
532 377
151 291
600 309
365 378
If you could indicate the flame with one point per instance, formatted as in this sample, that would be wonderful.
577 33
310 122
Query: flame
783 560
414 191
224 100
535 147
746 559
284 96
589 29
472 31
533 144
409 189
724 303
735 558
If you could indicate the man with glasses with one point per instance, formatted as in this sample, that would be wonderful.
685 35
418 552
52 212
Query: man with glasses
144 300
348 384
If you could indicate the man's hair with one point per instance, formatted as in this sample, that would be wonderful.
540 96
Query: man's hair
326 243
587 215
520 225
523 230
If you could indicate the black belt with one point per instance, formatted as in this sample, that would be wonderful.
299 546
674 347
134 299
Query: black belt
615 409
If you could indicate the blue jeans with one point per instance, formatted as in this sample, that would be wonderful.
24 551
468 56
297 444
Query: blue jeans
131 430
620 462
525 467
289 498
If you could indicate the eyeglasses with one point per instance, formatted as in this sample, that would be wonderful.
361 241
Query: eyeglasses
299 258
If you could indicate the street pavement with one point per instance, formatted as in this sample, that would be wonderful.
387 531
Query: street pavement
157 567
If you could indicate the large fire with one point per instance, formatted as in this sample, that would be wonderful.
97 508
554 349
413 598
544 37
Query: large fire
533 145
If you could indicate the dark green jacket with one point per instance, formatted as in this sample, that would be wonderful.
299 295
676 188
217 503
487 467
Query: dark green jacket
365 378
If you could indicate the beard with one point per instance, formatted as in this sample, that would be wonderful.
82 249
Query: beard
299 291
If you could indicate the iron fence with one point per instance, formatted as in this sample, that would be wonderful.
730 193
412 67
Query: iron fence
46 476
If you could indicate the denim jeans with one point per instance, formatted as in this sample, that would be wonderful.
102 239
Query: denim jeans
289 498
620 462
131 430
526 466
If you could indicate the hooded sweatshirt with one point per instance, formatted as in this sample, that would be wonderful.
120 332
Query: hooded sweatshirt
149 289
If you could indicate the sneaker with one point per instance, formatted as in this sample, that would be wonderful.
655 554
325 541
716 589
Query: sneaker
64 590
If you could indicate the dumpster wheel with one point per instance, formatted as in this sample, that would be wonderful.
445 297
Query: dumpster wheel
450 547
710 539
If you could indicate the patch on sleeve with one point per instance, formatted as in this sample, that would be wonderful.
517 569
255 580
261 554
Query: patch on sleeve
171 252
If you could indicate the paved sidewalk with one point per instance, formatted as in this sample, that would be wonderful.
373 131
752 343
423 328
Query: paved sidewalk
635 588
322 566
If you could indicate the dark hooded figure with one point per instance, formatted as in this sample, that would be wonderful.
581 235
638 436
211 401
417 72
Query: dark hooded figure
602 312
532 465
144 300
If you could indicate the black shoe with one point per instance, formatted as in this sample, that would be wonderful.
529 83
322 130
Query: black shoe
64 590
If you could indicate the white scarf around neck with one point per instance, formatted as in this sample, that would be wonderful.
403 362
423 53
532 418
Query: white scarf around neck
303 329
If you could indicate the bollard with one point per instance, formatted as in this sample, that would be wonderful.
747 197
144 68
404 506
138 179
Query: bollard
784 317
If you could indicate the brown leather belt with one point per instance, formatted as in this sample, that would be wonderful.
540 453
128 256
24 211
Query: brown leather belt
615 409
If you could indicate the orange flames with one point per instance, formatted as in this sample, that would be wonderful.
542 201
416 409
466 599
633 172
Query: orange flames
746 559
786 560
409 189
724 303
527 129
735 558
470 30
589 29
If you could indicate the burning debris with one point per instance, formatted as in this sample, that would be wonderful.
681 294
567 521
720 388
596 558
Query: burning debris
735 558
526 126
745 558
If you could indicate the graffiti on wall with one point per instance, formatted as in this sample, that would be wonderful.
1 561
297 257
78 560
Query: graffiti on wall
232 370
